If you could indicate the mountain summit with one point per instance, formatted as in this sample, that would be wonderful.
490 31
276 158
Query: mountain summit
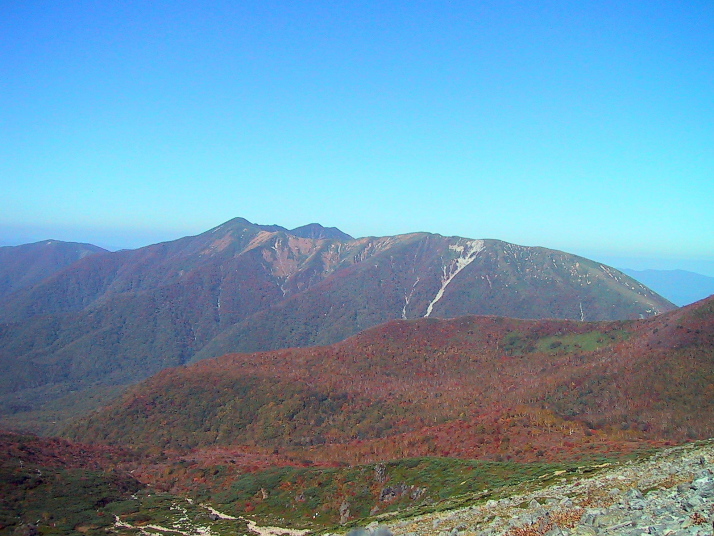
116 318
311 230
317 231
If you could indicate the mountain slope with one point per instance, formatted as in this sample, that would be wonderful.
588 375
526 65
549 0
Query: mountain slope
429 275
458 387
116 318
51 486
27 265
679 286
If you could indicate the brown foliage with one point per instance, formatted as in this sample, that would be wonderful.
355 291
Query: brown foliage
472 387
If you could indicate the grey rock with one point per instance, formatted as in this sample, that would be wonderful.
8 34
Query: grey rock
590 517
344 512
638 504
634 493
390 493
416 493
619 526
584 530
607 520
655 530
627 531
519 520
692 503
684 488
26 530
662 510
704 486
380 472
566 502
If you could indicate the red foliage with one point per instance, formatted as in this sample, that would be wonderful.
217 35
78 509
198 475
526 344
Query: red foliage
472 387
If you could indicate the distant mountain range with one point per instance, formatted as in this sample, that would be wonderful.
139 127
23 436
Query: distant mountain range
27 265
678 286
111 319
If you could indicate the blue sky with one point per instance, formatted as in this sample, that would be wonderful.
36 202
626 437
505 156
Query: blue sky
582 126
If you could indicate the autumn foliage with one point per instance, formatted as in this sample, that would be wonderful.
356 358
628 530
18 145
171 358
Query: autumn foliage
485 387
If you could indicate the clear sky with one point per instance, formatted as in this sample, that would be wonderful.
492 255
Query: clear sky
586 126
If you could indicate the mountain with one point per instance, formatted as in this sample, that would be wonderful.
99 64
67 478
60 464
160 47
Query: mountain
113 319
471 387
679 286
27 265
317 231
423 275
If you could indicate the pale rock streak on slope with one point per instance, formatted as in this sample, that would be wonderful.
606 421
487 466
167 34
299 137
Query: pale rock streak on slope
407 299
254 527
273 531
468 251
217 513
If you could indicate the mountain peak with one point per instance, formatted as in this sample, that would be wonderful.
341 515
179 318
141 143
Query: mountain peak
241 224
317 231
311 230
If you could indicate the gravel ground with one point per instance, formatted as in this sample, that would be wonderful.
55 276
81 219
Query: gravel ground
669 494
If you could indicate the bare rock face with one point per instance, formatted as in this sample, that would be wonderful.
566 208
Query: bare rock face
26 530
380 473
344 512
390 493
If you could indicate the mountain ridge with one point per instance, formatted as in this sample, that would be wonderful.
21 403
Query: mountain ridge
116 318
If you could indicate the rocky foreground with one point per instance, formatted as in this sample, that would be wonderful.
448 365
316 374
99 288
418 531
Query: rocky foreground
669 494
